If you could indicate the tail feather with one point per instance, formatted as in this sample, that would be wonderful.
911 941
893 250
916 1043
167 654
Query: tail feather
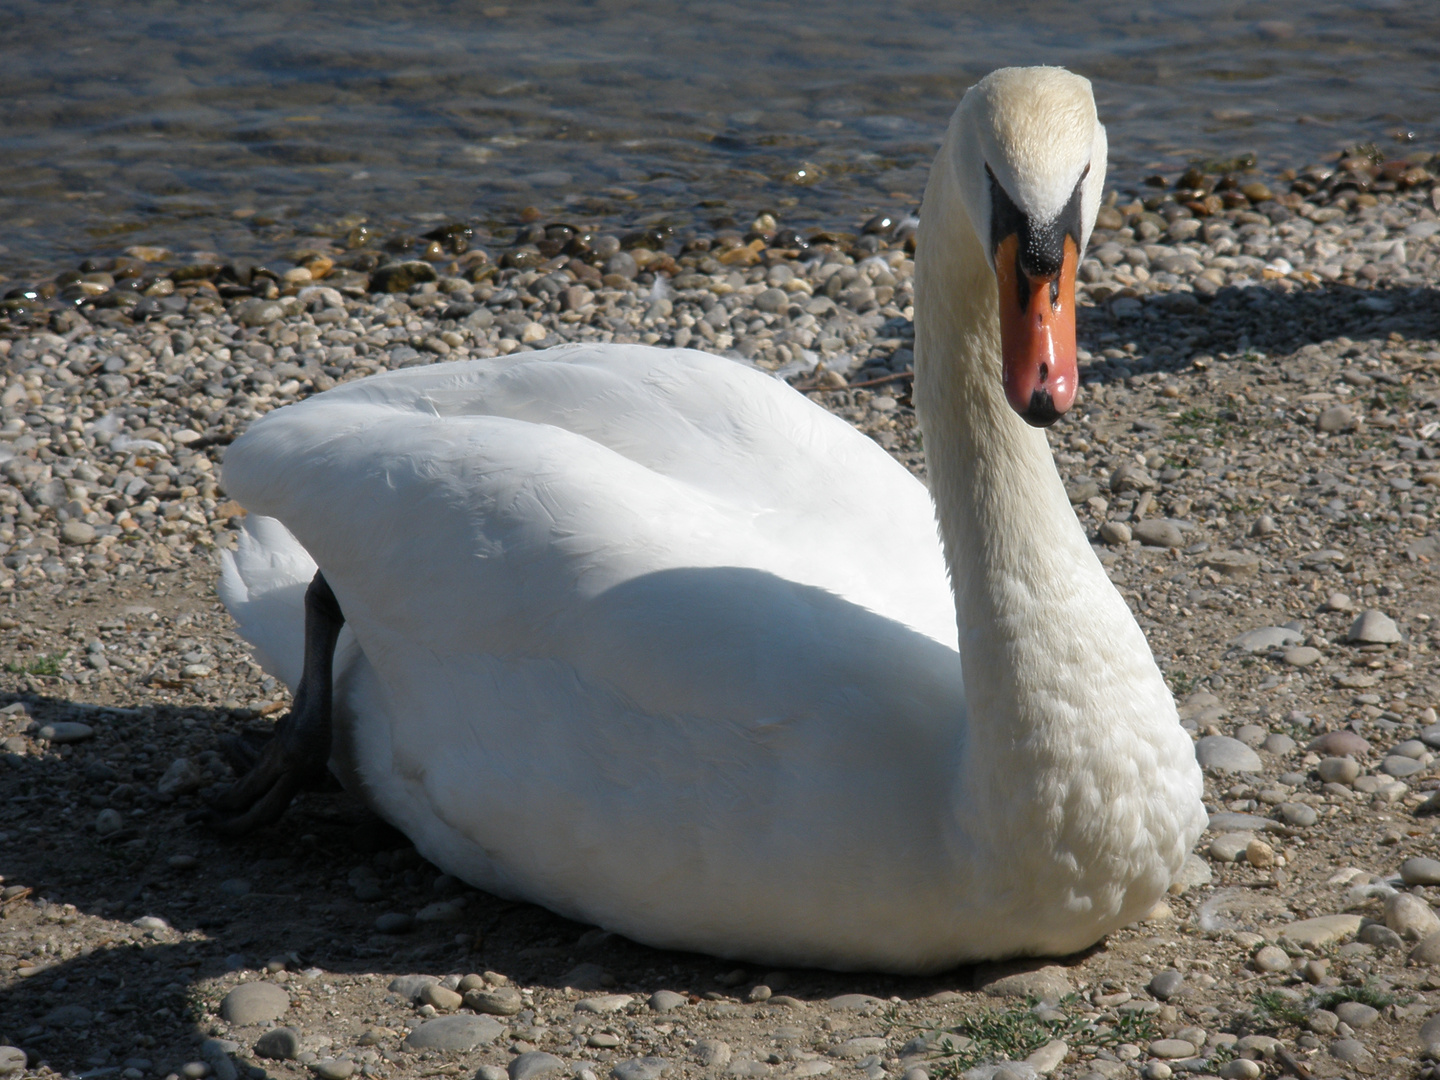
262 585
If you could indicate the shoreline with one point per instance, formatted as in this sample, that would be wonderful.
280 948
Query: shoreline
1255 454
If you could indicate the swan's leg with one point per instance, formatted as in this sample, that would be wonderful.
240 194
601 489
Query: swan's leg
297 755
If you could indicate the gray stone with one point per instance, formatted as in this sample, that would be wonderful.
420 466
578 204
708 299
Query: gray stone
1298 815
1272 958
1380 936
1374 628
280 1044
68 1016
335 1069
856 1048
664 1001
1266 639
1357 1014
1321 931
1221 753
1339 743
1156 532
1235 564
66 731
773 301
12 1060
181 778
501 1001
861 1003
1171 1049
1410 916
1302 656
1230 847
1252 735
1193 873
1427 952
77 532
1430 1036
1115 532
1049 983
394 922
1338 770
645 1068
712 1053
108 822
1398 766
1335 419
533 1063
1277 743
459 1032
410 986
1350 1051
603 1003
1420 871
254 1003
1165 984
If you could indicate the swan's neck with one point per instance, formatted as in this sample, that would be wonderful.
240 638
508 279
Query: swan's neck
1048 646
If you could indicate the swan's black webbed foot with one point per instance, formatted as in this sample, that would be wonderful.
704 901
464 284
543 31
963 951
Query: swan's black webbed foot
297 755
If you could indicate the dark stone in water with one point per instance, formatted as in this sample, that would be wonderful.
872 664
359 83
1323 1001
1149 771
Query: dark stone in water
401 276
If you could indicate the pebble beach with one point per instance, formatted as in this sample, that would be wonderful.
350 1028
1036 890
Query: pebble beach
1255 453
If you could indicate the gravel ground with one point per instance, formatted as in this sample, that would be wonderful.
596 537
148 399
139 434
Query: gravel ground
1255 456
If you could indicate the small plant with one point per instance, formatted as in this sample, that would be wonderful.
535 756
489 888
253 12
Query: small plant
1366 995
1180 683
1274 1009
41 665
1013 1034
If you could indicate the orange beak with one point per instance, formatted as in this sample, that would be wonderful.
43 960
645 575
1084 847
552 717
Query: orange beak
1037 335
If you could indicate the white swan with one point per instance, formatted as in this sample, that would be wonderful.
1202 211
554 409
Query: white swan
647 638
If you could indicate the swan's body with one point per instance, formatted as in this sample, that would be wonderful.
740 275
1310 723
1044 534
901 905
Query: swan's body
647 638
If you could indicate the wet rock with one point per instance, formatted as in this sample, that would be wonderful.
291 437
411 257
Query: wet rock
401 276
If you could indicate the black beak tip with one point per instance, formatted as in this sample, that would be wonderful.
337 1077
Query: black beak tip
1041 412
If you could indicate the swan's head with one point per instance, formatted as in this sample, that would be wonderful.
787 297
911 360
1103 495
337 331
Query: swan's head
1029 155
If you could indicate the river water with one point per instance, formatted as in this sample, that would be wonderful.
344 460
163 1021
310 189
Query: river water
234 127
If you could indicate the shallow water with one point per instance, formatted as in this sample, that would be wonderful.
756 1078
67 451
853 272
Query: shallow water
235 127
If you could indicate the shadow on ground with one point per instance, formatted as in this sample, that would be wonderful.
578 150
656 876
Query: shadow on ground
1169 329
98 990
